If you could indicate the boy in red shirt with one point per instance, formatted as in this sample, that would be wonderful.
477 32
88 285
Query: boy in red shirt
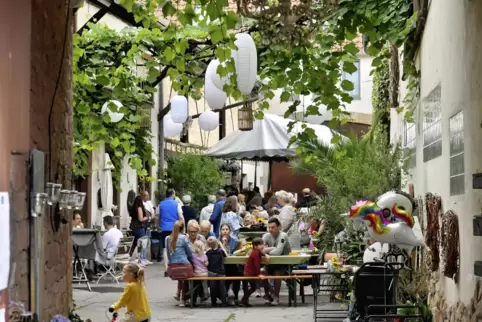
252 268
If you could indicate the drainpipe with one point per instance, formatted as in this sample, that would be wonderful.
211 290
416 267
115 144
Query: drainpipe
160 151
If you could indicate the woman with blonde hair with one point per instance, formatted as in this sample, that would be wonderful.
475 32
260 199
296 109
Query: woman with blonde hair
179 253
241 203
193 234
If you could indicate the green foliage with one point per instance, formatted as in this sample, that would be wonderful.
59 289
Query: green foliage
300 52
354 169
381 94
105 68
196 175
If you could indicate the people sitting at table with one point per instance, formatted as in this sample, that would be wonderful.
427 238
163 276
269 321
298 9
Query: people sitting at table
206 229
170 211
77 222
111 238
193 233
208 210
200 265
230 244
287 214
252 268
230 215
215 218
179 252
216 255
276 244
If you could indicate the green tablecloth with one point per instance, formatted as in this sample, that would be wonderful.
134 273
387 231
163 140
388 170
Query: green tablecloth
275 260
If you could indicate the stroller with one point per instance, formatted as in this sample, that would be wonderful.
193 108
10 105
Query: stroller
375 291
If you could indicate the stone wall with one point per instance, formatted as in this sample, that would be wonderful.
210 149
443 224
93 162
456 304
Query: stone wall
52 31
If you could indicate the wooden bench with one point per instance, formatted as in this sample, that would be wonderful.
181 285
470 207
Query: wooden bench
291 281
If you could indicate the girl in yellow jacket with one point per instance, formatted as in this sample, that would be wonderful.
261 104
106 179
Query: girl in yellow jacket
134 298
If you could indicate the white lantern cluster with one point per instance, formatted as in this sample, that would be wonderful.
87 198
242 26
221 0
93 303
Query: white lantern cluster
108 106
246 63
171 128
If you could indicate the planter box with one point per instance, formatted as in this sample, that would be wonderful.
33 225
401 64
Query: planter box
477 223
477 181
478 268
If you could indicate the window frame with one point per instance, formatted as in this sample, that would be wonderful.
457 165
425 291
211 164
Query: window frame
407 144
454 132
358 71
430 105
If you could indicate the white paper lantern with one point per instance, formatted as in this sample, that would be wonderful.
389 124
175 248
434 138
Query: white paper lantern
326 115
170 127
213 95
217 80
246 63
114 116
208 121
179 109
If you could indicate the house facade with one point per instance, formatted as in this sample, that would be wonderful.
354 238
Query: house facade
443 144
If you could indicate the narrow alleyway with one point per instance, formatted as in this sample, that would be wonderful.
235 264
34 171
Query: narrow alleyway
160 290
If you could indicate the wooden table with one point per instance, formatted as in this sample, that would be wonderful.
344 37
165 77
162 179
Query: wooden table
274 260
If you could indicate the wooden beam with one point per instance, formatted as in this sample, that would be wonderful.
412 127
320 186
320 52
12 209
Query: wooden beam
228 107
96 17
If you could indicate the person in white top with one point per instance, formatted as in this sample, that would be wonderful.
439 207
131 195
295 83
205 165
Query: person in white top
111 238
148 204
208 210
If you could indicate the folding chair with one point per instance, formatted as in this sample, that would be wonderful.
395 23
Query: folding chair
109 265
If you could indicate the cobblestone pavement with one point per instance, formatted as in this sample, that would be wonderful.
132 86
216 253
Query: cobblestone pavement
161 290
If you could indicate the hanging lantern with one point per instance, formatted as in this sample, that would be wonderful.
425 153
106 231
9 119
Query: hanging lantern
208 121
246 63
113 105
179 109
325 115
213 95
245 117
170 127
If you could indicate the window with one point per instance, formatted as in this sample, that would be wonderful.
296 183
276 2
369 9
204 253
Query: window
432 125
355 79
457 168
410 144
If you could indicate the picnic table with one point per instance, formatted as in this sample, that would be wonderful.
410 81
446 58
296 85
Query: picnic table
274 260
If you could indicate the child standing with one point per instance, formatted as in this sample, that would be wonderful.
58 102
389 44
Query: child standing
216 255
134 297
252 269
200 263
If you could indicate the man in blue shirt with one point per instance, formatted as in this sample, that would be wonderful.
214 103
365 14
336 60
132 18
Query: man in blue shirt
215 218
169 212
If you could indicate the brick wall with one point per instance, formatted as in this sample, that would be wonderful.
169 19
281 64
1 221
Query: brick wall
49 27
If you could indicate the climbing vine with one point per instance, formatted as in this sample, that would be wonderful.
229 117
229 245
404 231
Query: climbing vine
381 95
105 68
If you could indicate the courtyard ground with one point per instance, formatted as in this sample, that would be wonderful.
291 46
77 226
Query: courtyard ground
160 290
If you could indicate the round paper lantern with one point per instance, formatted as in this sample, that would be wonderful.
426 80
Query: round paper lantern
213 95
179 109
246 63
114 117
208 121
326 115
170 127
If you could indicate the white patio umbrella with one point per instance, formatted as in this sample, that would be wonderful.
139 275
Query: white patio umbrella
106 190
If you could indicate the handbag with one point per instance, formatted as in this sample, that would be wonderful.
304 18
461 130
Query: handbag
179 271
